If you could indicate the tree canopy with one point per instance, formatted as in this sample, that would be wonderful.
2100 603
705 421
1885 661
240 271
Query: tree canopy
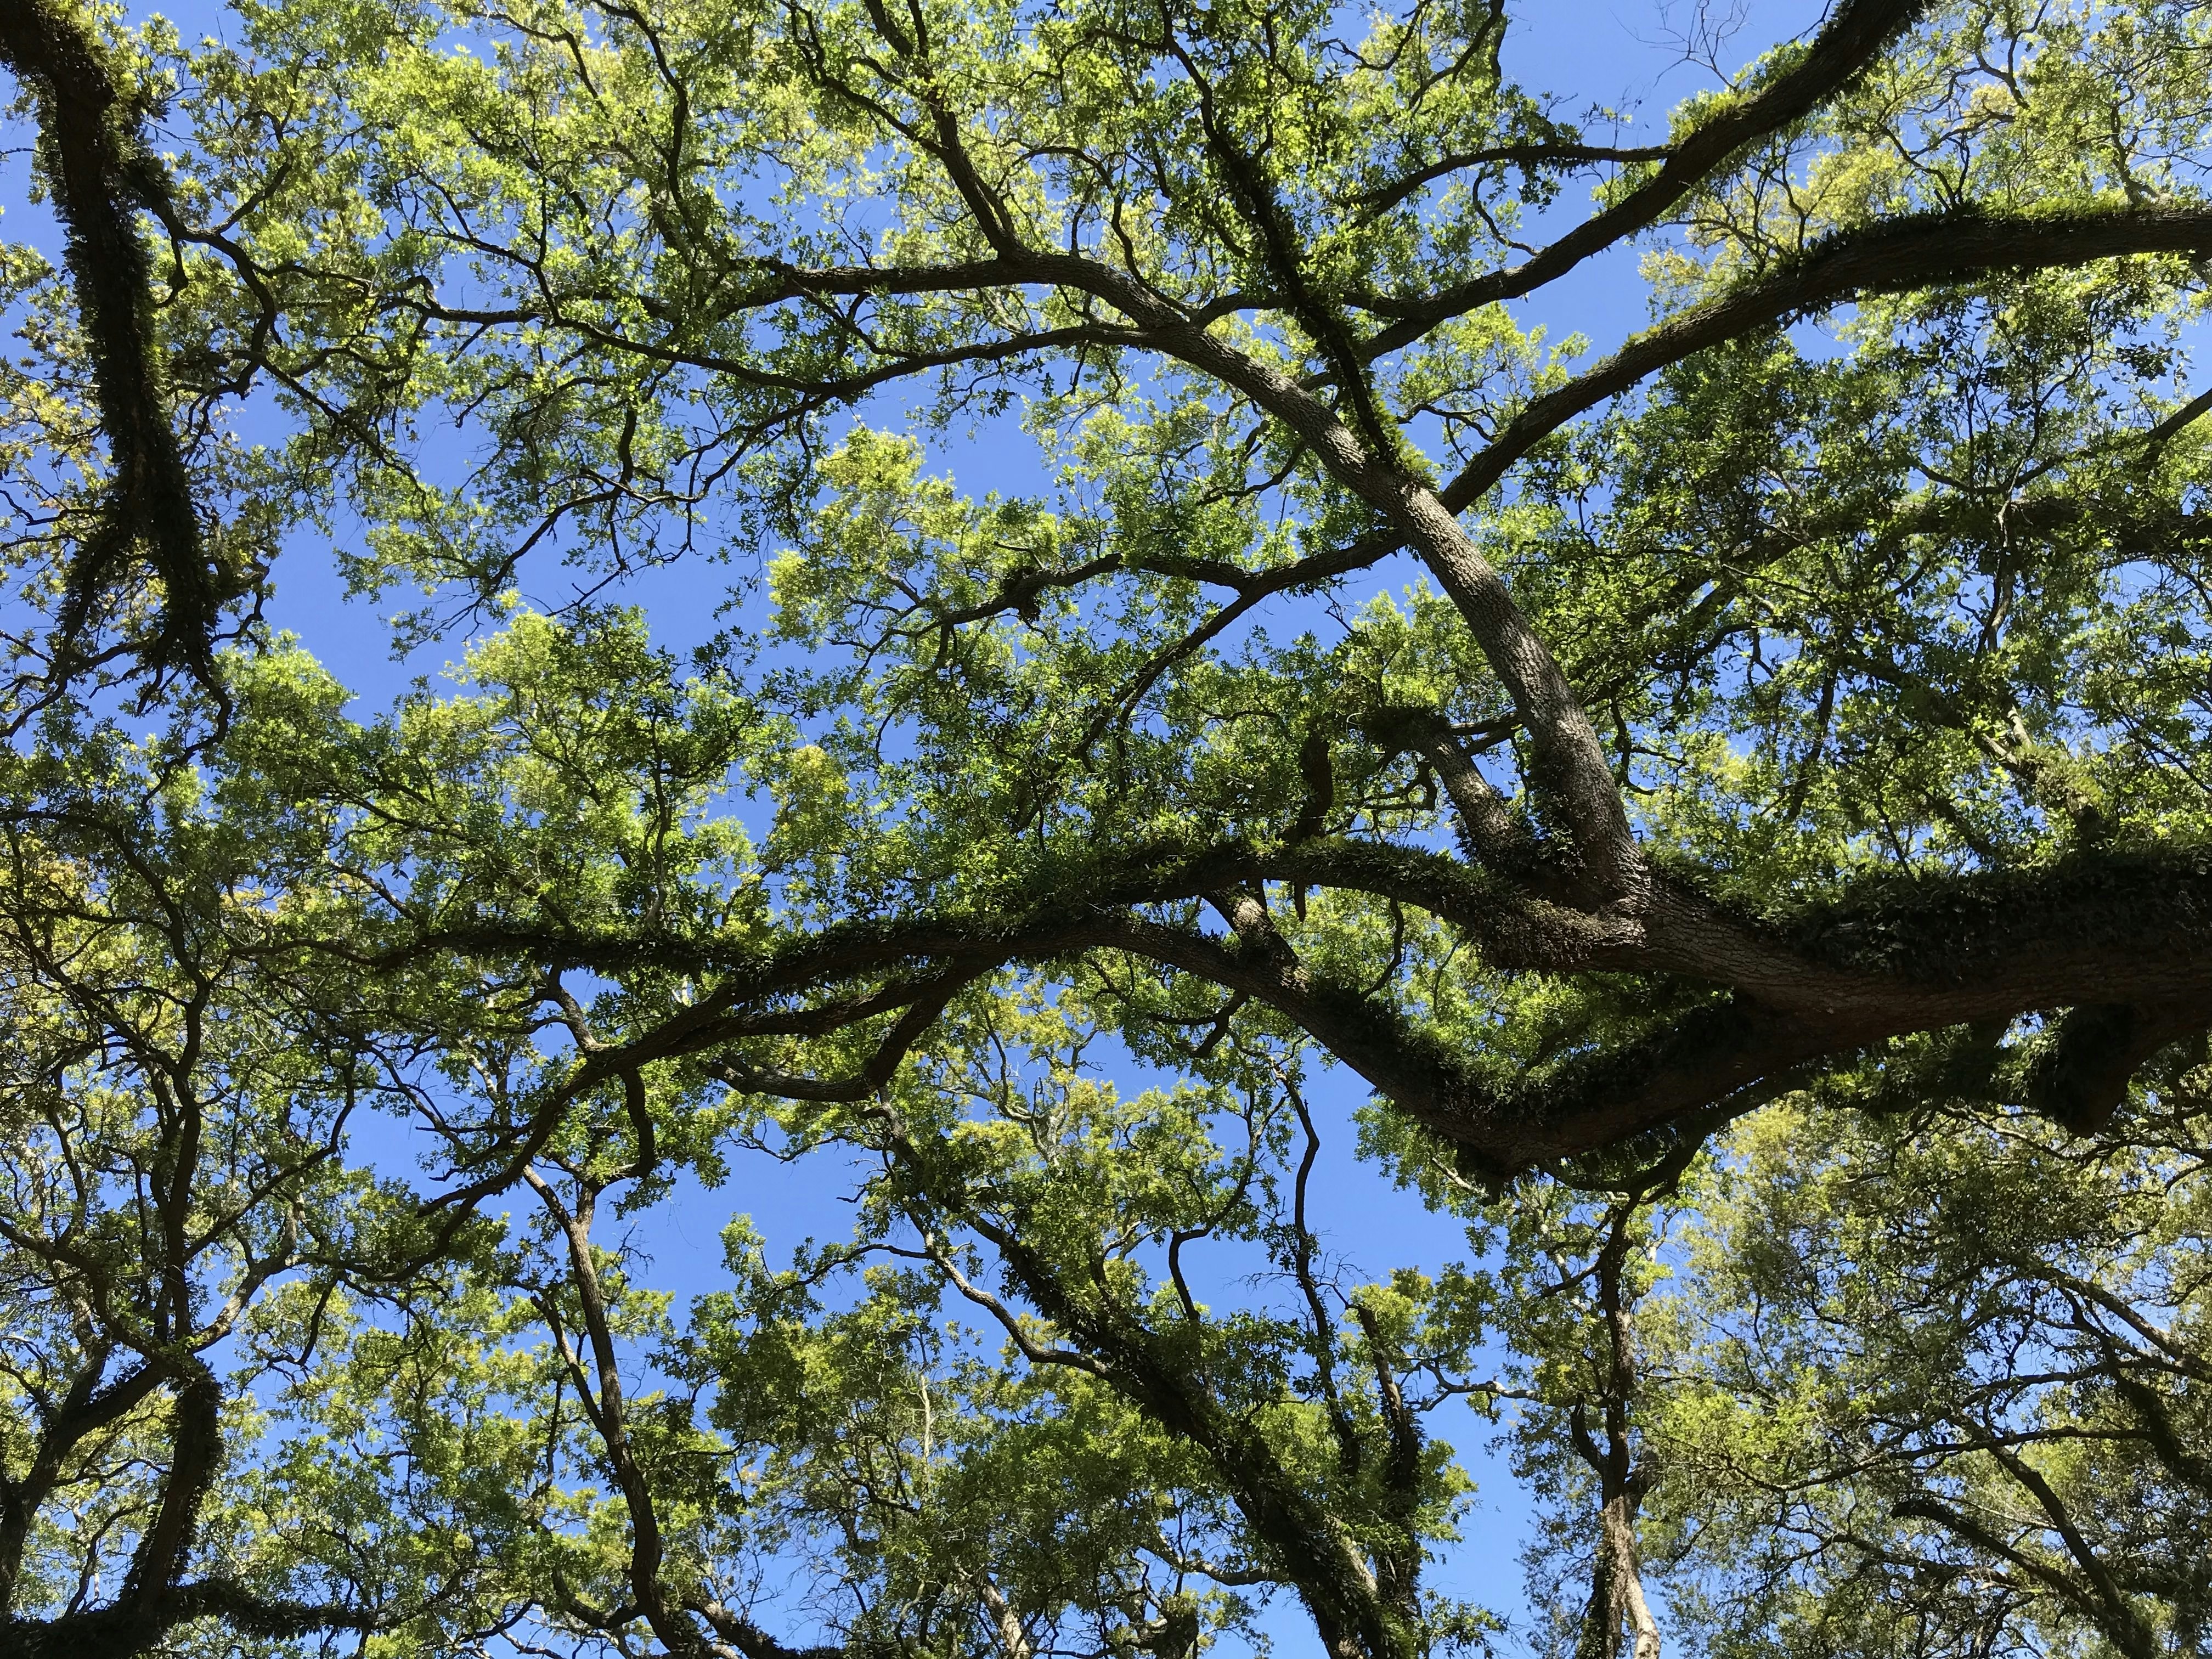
1737 805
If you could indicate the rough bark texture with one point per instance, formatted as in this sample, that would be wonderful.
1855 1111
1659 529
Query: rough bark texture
100 173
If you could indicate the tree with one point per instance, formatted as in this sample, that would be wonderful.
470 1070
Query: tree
1980 1360
1811 687
1926 1384
559 238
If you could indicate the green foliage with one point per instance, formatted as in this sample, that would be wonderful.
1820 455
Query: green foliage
1736 805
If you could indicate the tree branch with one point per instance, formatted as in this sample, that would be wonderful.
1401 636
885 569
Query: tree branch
96 164
1894 256
1855 36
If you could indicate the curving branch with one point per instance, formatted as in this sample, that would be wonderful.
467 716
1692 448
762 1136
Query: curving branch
99 167
1535 156
1762 999
124 1630
2111 1614
1154 1372
1895 256
1854 37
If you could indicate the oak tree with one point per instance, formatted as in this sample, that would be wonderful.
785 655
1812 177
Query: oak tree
1800 701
